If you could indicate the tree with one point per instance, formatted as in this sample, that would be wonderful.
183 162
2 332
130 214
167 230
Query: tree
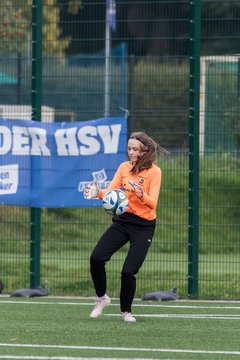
15 25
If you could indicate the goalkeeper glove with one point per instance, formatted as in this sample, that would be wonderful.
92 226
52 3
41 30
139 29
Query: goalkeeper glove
91 191
137 189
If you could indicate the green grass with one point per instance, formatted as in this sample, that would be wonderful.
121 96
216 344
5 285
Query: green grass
164 330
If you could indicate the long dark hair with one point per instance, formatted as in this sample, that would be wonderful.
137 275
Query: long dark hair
150 150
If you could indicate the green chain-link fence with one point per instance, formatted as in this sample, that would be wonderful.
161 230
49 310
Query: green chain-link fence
156 54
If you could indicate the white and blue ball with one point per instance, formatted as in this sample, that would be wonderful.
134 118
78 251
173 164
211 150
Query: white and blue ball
115 202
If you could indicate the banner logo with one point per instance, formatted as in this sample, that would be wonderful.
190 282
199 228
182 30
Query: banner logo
101 178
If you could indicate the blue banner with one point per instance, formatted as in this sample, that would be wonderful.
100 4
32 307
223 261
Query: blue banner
49 164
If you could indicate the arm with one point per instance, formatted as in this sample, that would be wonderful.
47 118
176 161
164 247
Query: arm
116 183
149 199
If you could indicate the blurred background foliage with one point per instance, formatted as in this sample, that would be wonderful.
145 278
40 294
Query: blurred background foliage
78 26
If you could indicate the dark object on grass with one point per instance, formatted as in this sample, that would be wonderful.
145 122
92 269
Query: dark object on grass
162 295
30 292
1 286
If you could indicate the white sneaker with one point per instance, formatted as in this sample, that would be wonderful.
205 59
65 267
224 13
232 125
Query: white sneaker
127 316
100 304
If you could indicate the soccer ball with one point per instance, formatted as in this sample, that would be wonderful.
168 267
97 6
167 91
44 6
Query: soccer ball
115 202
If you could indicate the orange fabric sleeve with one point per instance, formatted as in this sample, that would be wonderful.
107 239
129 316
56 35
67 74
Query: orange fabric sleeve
150 182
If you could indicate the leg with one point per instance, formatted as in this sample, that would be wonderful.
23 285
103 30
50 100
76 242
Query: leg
111 241
139 245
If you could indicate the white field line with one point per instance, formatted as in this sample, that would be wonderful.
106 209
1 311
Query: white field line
188 316
186 351
117 304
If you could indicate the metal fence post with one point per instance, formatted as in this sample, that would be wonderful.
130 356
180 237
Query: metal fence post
193 212
36 99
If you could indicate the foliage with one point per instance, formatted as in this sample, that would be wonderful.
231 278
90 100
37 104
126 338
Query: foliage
52 41
74 6
157 28
15 27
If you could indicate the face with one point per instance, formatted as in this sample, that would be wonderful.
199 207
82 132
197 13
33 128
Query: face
134 150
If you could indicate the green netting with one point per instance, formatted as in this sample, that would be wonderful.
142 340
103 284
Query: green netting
222 114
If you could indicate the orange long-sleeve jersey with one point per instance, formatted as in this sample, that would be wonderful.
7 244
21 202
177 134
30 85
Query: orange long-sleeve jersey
149 180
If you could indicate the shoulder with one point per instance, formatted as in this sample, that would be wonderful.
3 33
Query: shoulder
125 165
153 172
155 169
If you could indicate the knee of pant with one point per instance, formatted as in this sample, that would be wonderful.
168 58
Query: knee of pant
94 259
127 276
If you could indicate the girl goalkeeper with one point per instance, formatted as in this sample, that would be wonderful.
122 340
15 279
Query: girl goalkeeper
140 178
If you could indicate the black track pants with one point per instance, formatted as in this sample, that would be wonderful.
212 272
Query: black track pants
139 233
